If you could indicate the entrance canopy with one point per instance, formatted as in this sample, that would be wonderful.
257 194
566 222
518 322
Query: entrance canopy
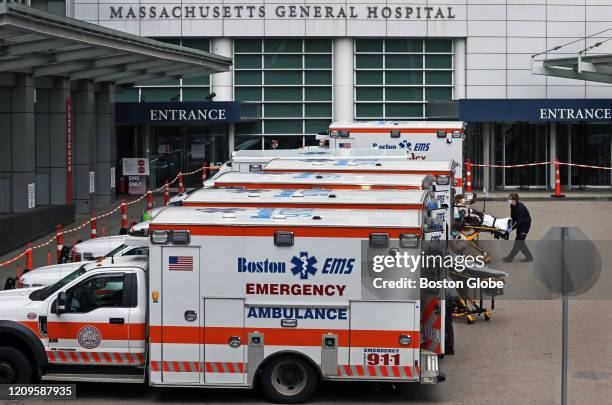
596 68
44 44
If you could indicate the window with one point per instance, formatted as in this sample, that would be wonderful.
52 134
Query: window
292 81
186 89
138 251
395 78
105 291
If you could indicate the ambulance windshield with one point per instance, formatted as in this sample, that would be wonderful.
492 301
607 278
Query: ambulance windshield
46 292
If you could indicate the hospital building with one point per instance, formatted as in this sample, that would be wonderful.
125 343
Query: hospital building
192 80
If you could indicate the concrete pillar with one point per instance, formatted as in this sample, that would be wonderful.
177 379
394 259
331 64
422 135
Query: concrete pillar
222 83
42 125
459 68
85 134
57 136
552 154
17 143
106 151
343 80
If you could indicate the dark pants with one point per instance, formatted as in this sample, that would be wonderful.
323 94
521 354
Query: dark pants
449 336
519 244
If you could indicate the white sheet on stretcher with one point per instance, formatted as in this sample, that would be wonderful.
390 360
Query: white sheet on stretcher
503 224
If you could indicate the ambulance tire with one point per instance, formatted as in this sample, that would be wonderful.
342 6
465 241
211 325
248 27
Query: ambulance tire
289 379
15 367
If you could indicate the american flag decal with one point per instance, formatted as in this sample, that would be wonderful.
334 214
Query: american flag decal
180 263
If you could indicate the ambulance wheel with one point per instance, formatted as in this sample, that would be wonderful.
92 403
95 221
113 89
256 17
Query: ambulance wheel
289 379
14 366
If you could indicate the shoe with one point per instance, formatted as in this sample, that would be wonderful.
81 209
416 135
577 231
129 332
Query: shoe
507 259
527 259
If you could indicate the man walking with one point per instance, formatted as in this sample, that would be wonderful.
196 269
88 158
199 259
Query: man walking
521 221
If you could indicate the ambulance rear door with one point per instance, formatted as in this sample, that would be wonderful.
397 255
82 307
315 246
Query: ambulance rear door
181 319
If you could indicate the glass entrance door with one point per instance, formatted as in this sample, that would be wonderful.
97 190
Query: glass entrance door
590 145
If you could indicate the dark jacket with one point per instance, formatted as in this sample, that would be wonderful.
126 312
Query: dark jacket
521 220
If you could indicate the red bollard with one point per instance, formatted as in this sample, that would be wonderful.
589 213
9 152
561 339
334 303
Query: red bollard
48 257
203 173
94 227
166 193
59 240
124 223
103 230
468 176
149 201
29 257
181 189
557 181
18 276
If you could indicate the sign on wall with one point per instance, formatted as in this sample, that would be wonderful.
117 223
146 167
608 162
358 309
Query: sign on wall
112 177
69 150
135 166
92 182
137 185
31 195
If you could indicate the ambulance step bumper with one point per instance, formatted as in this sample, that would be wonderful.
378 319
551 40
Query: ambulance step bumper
99 378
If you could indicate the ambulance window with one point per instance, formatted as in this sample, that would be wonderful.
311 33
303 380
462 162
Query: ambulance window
138 251
104 291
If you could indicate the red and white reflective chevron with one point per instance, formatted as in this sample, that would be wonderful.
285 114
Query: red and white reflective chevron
377 371
192 367
431 325
69 357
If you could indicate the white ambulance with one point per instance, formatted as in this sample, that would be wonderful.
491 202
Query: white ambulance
229 299
355 181
443 172
417 140
434 226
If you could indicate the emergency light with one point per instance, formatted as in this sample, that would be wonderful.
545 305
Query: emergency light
443 179
395 133
379 240
283 238
180 237
343 134
255 168
409 240
441 134
456 134
159 237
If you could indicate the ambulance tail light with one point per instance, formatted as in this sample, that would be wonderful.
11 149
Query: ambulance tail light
443 180
160 237
180 237
409 240
283 238
441 134
430 372
379 240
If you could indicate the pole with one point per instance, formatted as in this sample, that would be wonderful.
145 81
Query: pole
94 227
468 176
59 240
149 201
124 224
29 257
565 318
166 193
557 181
181 189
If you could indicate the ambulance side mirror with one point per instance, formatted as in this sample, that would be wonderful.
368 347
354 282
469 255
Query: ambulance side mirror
62 303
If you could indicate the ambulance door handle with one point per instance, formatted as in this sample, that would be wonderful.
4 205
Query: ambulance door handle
116 321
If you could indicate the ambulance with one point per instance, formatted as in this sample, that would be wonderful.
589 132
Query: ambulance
434 219
355 181
233 298
442 171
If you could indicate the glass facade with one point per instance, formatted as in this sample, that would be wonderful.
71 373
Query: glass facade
188 89
395 78
290 78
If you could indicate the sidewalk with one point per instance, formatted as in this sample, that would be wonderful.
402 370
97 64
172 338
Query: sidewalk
541 195
112 224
